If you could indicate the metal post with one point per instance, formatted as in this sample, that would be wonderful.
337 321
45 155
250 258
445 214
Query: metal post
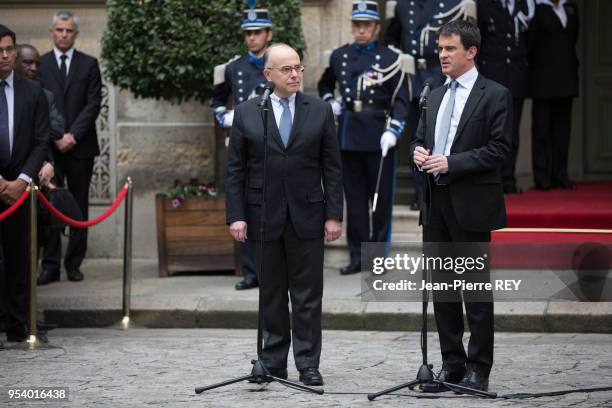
127 257
33 261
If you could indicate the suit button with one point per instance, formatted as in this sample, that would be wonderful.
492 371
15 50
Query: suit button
507 60
509 48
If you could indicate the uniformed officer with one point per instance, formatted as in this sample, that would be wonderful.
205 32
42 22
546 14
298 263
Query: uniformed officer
371 109
243 78
502 57
413 27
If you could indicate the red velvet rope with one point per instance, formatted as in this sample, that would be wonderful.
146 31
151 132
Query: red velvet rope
83 224
15 205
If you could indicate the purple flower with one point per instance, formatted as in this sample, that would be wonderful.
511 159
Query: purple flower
176 201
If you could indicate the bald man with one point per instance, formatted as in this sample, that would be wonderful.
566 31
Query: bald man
304 184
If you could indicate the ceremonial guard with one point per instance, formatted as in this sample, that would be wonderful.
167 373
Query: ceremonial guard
503 26
371 108
413 27
242 78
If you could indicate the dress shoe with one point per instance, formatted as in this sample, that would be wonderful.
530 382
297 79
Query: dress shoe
415 207
351 269
17 333
247 283
311 376
47 276
274 372
512 190
445 375
474 380
565 185
74 275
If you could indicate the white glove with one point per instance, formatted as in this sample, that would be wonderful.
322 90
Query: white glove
228 118
387 141
336 105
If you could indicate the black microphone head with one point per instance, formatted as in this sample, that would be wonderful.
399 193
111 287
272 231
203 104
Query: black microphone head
270 86
428 82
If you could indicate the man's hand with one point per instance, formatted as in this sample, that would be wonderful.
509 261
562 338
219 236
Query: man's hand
238 229
45 174
12 190
387 141
333 230
228 119
66 143
420 156
436 163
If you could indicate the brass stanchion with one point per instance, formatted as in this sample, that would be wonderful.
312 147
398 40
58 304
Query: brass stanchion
126 322
33 342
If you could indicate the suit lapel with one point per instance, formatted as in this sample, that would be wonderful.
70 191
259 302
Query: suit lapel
301 112
54 67
19 95
435 100
470 105
273 128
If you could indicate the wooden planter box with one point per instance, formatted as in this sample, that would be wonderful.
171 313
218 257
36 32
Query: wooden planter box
194 236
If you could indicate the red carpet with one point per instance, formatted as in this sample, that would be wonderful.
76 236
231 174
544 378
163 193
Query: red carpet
587 207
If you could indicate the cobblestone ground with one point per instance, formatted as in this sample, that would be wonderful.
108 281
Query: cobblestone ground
161 367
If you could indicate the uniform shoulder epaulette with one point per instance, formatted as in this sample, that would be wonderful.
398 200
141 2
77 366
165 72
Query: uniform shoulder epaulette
406 60
219 72
469 9
390 9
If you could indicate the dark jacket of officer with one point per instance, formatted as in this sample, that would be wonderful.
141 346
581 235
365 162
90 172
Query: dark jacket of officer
361 131
242 78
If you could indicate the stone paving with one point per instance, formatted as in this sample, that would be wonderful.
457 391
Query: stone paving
161 367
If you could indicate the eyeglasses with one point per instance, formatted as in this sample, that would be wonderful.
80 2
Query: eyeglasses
9 50
287 70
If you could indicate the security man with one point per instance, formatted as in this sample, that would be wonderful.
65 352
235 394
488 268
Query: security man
243 79
371 108
503 25
413 27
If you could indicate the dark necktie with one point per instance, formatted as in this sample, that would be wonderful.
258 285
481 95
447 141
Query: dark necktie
5 143
284 127
63 68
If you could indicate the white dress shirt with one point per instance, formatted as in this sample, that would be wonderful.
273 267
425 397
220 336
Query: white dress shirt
9 91
58 54
558 9
278 108
465 83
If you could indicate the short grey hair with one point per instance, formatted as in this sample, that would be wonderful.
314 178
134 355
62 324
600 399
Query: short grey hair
65 15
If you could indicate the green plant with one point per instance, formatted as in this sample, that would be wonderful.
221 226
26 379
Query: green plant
168 48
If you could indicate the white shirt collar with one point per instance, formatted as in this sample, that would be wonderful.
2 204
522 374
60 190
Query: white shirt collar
275 98
68 53
10 79
467 80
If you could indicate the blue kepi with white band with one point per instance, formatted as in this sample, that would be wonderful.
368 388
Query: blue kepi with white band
365 10
255 19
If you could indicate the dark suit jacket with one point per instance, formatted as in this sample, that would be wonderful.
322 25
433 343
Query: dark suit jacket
304 180
78 101
30 130
480 147
553 64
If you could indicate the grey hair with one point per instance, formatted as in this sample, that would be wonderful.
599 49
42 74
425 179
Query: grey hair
66 15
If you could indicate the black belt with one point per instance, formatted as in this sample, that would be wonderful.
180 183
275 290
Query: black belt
365 105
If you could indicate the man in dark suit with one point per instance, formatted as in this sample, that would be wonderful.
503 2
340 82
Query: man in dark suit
24 138
74 78
304 184
467 139
553 82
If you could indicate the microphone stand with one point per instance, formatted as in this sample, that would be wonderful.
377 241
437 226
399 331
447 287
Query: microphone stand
425 374
259 373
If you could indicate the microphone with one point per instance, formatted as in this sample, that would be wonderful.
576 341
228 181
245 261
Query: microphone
268 89
425 92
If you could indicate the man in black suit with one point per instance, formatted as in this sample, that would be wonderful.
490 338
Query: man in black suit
24 138
553 82
469 125
304 186
74 78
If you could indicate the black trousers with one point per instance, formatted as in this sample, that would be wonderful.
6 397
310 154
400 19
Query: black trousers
551 128
509 166
292 267
77 173
14 269
360 170
247 252
443 227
